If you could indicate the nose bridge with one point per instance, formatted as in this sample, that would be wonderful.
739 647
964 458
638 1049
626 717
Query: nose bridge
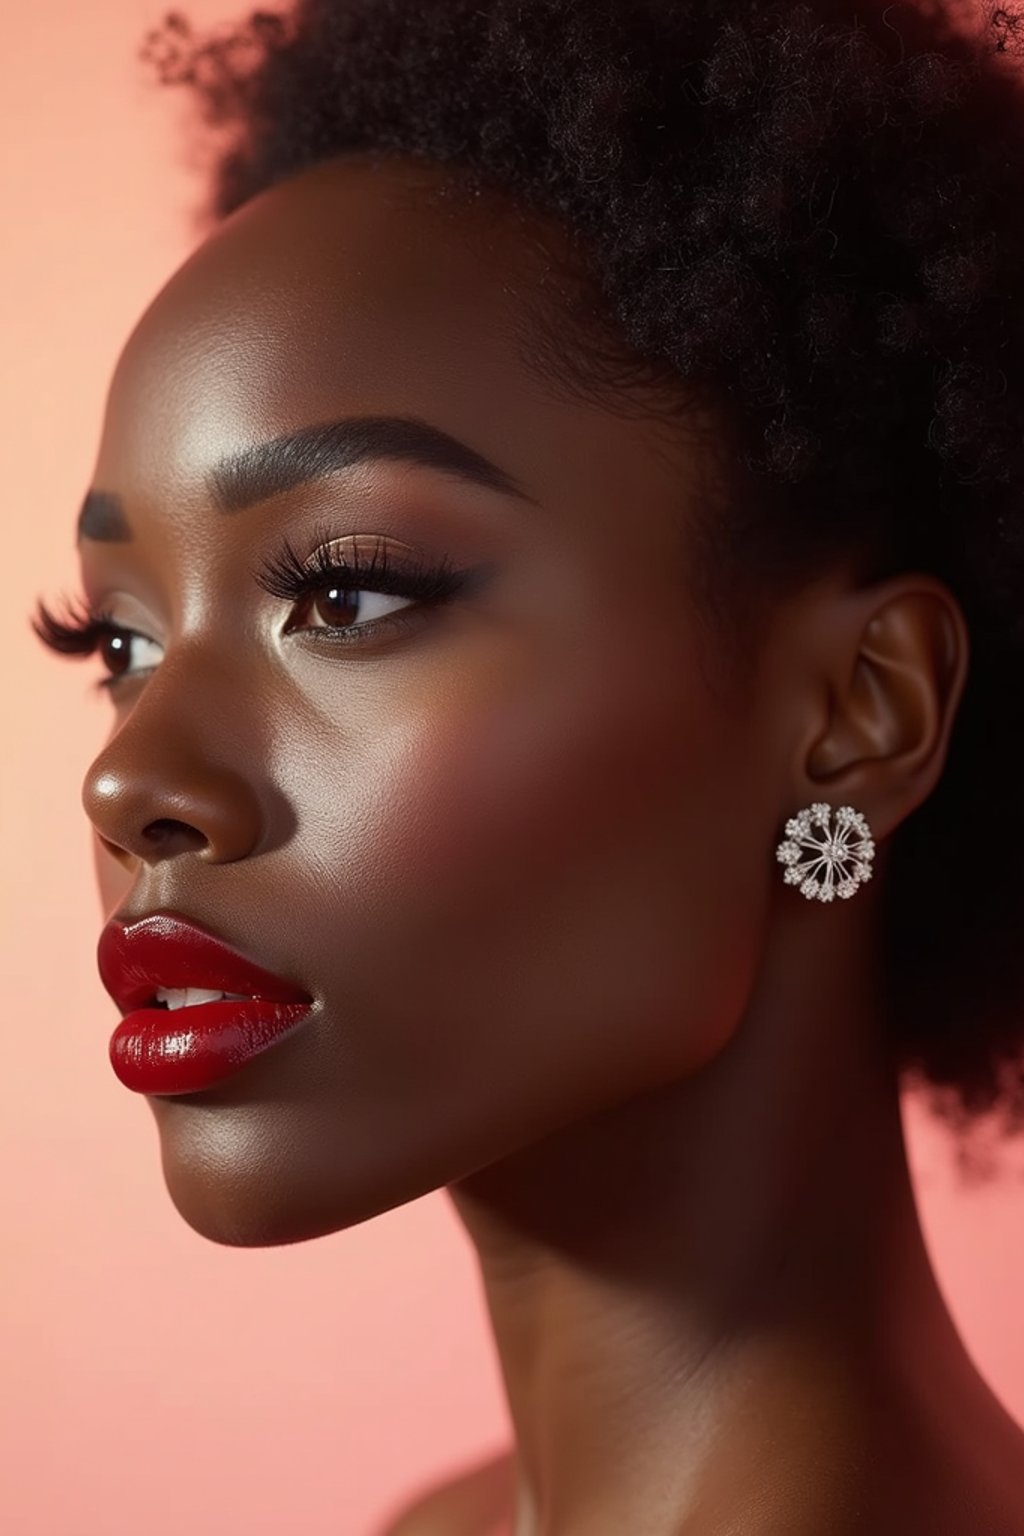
183 768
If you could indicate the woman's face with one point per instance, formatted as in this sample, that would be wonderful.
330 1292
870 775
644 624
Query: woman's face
513 846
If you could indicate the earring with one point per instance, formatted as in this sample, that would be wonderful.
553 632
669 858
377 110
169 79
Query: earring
845 851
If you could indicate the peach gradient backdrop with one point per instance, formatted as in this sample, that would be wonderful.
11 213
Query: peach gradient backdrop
152 1381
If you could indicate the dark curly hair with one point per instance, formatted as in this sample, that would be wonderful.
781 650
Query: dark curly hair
811 211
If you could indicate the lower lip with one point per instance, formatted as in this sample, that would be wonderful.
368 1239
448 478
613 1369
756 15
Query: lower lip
182 1050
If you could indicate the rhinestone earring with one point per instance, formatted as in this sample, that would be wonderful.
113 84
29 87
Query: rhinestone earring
846 851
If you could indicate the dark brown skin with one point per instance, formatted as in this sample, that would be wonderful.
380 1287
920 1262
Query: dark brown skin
522 854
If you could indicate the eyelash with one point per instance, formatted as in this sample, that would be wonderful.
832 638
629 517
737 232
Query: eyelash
80 630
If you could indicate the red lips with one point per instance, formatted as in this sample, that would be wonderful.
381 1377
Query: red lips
166 950
183 1050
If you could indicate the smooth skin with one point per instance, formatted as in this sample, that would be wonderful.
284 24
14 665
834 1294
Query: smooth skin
521 851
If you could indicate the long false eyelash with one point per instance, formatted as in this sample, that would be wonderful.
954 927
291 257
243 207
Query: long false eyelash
77 631
287 575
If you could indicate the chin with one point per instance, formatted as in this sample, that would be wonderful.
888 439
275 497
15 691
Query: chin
237 1206
253 1176
241 1218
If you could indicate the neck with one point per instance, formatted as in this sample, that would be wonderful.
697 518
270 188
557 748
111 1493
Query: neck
716 1299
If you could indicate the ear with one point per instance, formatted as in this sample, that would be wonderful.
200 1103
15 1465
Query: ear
892 659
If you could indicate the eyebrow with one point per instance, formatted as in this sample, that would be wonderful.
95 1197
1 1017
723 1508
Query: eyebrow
265 469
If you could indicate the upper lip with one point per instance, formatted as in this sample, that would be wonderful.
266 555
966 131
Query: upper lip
164 949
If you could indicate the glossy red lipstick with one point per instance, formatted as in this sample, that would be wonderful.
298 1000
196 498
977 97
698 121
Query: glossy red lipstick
180 1050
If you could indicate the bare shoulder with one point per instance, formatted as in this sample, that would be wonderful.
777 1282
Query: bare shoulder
475 1503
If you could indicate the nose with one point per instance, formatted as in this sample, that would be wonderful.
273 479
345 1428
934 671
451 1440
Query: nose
154 792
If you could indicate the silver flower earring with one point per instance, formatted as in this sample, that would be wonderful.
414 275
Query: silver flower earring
845 851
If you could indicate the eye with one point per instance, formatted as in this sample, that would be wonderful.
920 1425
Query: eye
358 596
82 630
344 607
120 647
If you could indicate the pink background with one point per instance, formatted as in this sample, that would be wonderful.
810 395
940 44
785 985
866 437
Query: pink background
153 1381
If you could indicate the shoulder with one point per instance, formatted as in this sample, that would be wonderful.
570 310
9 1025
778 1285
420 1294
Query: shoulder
475 1503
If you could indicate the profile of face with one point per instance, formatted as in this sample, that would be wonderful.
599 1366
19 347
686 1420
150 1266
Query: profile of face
507 836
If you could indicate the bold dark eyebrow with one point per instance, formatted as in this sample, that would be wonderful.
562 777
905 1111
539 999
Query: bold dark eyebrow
265 469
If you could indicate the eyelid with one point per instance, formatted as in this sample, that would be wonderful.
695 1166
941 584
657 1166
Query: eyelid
362 545
287 574
322 532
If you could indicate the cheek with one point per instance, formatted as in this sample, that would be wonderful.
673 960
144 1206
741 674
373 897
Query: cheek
550 916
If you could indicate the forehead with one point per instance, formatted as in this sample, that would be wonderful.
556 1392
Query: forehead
349 290
345 288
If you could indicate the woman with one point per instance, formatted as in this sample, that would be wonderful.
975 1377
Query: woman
555 547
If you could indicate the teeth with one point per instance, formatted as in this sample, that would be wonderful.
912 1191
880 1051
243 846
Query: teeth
186 997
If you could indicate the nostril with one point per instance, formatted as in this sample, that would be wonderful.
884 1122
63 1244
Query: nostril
165 828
